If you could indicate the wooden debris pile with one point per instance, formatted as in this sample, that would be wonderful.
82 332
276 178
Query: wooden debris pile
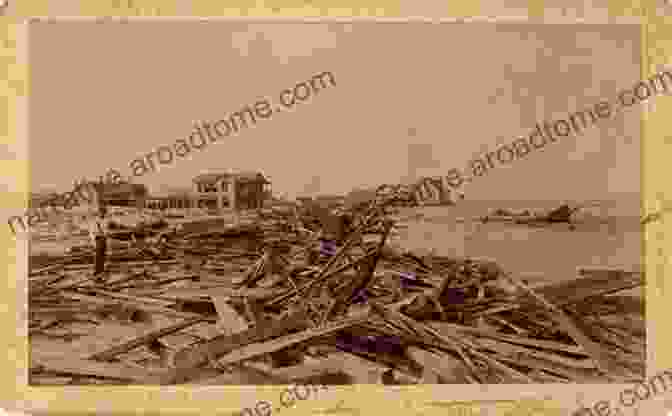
277 301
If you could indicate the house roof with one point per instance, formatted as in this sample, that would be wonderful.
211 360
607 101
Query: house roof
124 189
170 193
209 178
329 197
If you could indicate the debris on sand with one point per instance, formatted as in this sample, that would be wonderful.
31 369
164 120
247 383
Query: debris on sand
285 296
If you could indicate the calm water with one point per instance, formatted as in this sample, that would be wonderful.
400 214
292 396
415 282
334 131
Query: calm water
609 236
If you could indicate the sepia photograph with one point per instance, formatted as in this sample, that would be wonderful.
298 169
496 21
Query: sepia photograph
241 202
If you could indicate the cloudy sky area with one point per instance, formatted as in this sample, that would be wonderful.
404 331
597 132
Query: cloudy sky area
105 93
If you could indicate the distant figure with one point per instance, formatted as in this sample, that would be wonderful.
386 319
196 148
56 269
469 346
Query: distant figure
98 230
561 214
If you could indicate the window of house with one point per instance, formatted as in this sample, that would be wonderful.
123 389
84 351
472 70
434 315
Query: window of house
245 190
211 204
225 186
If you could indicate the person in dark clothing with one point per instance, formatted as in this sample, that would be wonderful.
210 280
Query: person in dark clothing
562 214
98 232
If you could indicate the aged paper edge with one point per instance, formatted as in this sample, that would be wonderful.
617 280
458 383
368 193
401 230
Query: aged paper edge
190 400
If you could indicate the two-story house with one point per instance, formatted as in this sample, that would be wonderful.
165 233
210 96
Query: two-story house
229 191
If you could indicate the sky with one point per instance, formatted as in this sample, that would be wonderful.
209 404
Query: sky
410 100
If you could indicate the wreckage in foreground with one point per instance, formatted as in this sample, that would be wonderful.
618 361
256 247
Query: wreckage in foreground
273 301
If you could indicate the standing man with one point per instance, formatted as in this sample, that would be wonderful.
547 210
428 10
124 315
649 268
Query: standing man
98 230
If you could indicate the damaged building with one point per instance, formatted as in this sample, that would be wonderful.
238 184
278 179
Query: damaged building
229 191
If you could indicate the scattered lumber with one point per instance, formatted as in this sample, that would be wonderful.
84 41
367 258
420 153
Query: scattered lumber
313 294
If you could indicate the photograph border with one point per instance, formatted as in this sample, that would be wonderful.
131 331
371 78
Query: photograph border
557 399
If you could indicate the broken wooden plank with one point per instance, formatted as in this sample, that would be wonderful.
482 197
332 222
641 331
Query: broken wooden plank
360 370
514 350
269 328
567 323
138 299
450 369
178 342
46 269
428 335
143 340
515 376
137 305
48 380
141 353
597 284
69 365
221 291
65 286
256 349
544 344
313 368
577 375
230 322
203 331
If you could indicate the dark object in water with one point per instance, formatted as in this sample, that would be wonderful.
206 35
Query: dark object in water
561 214
500 211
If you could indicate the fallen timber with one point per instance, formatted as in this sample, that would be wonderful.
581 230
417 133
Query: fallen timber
276 300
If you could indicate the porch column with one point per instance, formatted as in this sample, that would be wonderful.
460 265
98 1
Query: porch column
140 203
233 193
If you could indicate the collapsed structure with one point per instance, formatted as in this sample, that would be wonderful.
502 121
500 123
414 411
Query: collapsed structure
279 299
